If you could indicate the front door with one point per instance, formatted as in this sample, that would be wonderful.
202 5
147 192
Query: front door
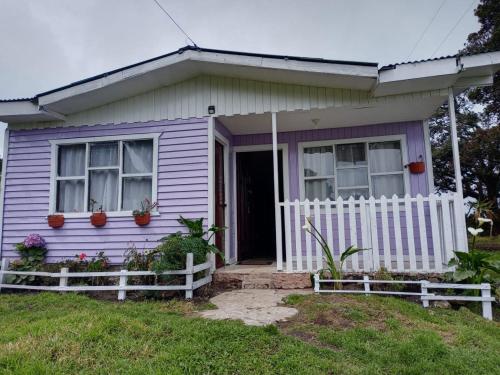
255 200
220 201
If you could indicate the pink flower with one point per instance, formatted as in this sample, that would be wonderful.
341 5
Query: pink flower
82 256
34 240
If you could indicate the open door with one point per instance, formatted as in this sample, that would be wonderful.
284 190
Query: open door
220 201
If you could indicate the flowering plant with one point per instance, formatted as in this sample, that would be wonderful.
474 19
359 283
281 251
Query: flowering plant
33 248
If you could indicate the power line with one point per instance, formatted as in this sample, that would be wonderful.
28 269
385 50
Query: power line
175 23
453 29
425 30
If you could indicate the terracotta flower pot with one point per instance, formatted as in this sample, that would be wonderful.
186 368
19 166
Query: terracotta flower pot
142 220
98 219
55 221
417 167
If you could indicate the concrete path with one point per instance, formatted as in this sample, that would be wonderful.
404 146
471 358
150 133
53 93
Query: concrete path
256 307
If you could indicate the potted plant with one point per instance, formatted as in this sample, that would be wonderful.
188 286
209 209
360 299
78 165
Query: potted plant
417 167
55 221
142 216
97 219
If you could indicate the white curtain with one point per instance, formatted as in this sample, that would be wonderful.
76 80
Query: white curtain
135 190
103 189
320 188
70 195
352 177
138 156
388 185
71 161
104 154
318 161
385 157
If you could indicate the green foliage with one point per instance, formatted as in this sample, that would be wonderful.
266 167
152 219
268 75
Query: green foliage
171 253
474 267
146 207
331 267
31 254
384 274
31 261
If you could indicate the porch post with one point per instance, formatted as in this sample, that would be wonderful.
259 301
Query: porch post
454 142
277 209
211 179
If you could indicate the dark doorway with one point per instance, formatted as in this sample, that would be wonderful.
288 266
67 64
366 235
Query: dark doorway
220 201
255 197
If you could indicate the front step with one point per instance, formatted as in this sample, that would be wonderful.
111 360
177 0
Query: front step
232 278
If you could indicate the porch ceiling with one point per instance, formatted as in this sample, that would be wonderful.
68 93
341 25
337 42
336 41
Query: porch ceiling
375 113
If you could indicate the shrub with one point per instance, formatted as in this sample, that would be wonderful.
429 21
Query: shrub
32 252
171 254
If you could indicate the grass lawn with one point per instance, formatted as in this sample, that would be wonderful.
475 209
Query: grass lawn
50 333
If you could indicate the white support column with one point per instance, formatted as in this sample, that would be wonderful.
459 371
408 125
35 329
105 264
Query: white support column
428 156
277 209
211 179
454 142
2 186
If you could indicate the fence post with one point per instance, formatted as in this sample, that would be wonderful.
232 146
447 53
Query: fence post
63 281
189 276
316 283
486 294
423 285
366 283
122 294
5 266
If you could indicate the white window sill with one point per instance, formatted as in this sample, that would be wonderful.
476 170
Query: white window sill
79 215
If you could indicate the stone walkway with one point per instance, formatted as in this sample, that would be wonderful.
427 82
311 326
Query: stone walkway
256 307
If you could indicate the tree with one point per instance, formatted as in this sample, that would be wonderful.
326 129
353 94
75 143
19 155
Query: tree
478 131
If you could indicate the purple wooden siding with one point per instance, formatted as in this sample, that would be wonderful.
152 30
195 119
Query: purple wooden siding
182 189
414 139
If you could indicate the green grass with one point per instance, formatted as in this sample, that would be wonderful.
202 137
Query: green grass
56 334
487 243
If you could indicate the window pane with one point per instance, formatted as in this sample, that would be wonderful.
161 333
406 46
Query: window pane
388 185
104 154
135 190
351 155
71 161
318 161
138 156
321 189
103 188
385 157
355 193
70 195
352 177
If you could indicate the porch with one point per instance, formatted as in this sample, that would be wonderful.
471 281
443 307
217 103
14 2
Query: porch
327 165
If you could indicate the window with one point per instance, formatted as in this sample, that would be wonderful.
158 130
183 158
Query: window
357 169
115 174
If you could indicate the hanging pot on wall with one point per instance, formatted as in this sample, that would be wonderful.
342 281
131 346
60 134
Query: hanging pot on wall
98 219
417 167
55 221
143 219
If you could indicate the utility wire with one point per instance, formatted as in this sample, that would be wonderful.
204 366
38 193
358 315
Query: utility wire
425 30
175 23
452 29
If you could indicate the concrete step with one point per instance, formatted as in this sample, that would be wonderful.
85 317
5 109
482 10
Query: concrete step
260 280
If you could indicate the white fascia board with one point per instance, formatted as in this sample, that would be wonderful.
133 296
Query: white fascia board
480 64
418 70
20 111
200 57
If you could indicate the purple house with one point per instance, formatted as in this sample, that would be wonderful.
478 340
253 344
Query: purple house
257 143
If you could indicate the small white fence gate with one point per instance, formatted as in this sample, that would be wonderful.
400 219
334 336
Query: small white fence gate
121 286
425 296
410 234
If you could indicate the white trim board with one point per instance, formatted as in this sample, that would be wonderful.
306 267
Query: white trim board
55 143
286 180
2 191
227 212
365 140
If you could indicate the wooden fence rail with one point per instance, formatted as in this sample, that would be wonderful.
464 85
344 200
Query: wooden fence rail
122 277
408 234
425 296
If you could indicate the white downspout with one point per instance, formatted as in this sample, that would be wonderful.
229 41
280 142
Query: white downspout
2 191
454 143
277 209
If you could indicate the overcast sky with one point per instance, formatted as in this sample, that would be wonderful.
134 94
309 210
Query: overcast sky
48 43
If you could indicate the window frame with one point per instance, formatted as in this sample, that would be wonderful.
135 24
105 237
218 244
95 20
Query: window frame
365 140
54 158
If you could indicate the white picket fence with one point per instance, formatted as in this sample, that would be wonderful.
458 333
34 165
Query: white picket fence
122 276
425 296
410 234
